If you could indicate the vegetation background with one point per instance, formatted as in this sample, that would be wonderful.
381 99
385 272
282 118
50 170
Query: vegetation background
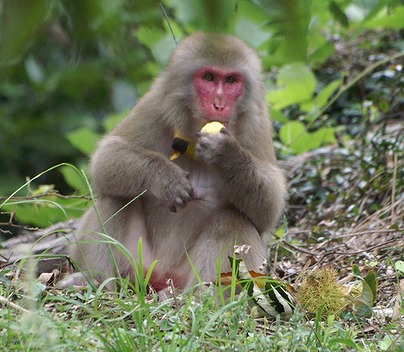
71 69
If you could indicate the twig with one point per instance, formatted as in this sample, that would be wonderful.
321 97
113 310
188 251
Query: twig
168 22
13 305
393 190
42 195
299 249
358 251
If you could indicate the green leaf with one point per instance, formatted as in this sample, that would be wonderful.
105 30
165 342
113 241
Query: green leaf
84 139
322 53
278 116
393 19
339 15
324 135
158 41
251 32
289 21
297 84
325 94
399 266
356 271
211 15
74 179
371 284
294 135
343 341
18 29
47 211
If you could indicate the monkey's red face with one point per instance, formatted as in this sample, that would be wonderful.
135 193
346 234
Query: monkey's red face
217 92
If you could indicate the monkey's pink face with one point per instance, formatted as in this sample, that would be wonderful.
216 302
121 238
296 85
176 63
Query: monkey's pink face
217 92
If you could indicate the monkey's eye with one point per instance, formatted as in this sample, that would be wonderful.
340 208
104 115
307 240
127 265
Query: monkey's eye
208 77
231 79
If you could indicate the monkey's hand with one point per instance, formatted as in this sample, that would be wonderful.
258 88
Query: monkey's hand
170 184
215 148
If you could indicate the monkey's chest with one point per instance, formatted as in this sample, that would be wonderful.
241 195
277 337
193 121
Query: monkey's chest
207 187
206 182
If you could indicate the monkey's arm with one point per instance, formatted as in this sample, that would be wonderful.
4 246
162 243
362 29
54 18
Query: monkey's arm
256 188
124 169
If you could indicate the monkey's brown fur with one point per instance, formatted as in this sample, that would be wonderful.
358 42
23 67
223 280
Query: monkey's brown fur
233 192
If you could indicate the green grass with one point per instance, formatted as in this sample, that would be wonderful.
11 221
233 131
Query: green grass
87 320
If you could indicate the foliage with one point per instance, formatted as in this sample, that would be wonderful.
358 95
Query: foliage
74 70
73 64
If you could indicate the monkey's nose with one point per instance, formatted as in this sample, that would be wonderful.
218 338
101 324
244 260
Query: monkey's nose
218 107
219 104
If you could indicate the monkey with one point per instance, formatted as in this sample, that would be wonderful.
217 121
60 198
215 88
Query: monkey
189 212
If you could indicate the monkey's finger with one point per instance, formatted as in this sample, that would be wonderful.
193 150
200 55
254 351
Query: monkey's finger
180 202
224 130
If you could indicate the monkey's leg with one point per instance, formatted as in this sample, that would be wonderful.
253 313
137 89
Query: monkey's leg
217 240
104 241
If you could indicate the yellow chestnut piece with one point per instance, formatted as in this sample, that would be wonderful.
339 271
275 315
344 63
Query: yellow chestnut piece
212 127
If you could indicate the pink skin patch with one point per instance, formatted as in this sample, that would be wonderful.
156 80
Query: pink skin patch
159 282
217 91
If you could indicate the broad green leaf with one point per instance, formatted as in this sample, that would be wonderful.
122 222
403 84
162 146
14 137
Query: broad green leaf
252 12
289 20
150 36
74 179
83 139
393 20
322 98
324 135
339 15
371 283
44 212
297 84
24 19
294 135
251 32
278 116
322 53
209 15
356 271
158 41
399 266
343 341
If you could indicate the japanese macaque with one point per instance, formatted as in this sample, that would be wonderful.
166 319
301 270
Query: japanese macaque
197 206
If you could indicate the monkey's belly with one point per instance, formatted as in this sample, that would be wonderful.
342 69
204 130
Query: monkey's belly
167 236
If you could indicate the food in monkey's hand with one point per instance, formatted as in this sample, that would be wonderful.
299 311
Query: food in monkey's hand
182 146
212 127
